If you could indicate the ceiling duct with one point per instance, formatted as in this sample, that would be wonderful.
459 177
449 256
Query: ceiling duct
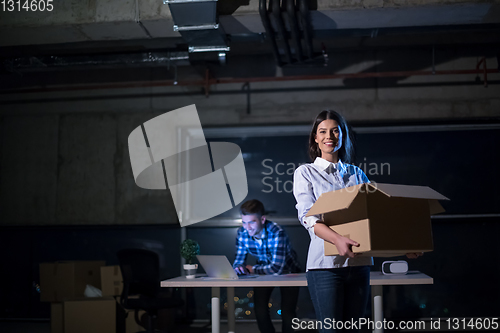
283 19
196 21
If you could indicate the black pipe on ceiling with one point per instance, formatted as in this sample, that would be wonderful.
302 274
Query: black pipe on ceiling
305 20
292 19
276 14
273 18
269 30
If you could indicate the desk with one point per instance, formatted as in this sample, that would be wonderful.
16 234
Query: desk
377 281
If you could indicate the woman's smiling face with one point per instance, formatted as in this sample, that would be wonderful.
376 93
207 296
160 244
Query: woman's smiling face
328 138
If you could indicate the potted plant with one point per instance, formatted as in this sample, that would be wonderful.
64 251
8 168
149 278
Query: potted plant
189 249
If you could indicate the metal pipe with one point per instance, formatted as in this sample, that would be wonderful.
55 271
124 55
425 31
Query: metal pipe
269 30
433 61
292 18
276 12
207 82
246 87
111 60
304 11
203 83
485 71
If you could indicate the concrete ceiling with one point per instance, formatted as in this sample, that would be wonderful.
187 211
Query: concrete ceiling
136 27
74 21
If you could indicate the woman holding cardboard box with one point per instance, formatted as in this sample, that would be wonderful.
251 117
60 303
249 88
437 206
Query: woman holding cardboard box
339 285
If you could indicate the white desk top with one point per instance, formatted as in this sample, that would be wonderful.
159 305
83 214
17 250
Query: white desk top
290 280
412 277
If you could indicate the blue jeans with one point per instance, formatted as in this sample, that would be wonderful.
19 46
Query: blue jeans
339 294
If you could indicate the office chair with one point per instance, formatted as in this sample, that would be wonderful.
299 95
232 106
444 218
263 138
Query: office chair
141 277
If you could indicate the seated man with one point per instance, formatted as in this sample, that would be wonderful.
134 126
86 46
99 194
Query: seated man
269 243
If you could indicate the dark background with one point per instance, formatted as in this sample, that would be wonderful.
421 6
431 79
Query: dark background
459 164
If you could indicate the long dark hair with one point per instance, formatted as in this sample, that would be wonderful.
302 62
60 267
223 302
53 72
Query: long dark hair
346 152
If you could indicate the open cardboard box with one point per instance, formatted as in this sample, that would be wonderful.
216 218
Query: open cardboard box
386 220
111 281
64 280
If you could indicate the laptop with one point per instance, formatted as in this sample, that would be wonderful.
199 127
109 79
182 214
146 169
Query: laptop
218 267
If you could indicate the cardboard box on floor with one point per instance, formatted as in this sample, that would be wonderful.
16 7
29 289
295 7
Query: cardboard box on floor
386 220
64 280
56 318
111 281
100 314
96 315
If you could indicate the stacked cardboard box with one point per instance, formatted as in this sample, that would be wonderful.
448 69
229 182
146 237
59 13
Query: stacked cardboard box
63 284
96 315
111 281
64 280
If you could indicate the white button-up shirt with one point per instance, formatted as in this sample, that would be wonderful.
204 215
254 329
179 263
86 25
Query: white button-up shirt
309 182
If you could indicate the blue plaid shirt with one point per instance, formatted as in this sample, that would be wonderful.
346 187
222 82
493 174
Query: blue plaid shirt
274 252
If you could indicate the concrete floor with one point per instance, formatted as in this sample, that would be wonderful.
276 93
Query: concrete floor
44 327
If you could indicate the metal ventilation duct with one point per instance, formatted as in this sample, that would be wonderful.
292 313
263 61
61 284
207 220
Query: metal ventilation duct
196 21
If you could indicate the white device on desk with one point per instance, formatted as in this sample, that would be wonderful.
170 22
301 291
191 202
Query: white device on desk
394 267
219 267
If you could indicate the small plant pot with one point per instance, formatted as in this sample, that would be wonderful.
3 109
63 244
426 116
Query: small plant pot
190 270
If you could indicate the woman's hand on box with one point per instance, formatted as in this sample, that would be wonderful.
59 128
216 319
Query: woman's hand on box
344 245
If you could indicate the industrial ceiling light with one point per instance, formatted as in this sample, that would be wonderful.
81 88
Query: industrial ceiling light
222 58
192 49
